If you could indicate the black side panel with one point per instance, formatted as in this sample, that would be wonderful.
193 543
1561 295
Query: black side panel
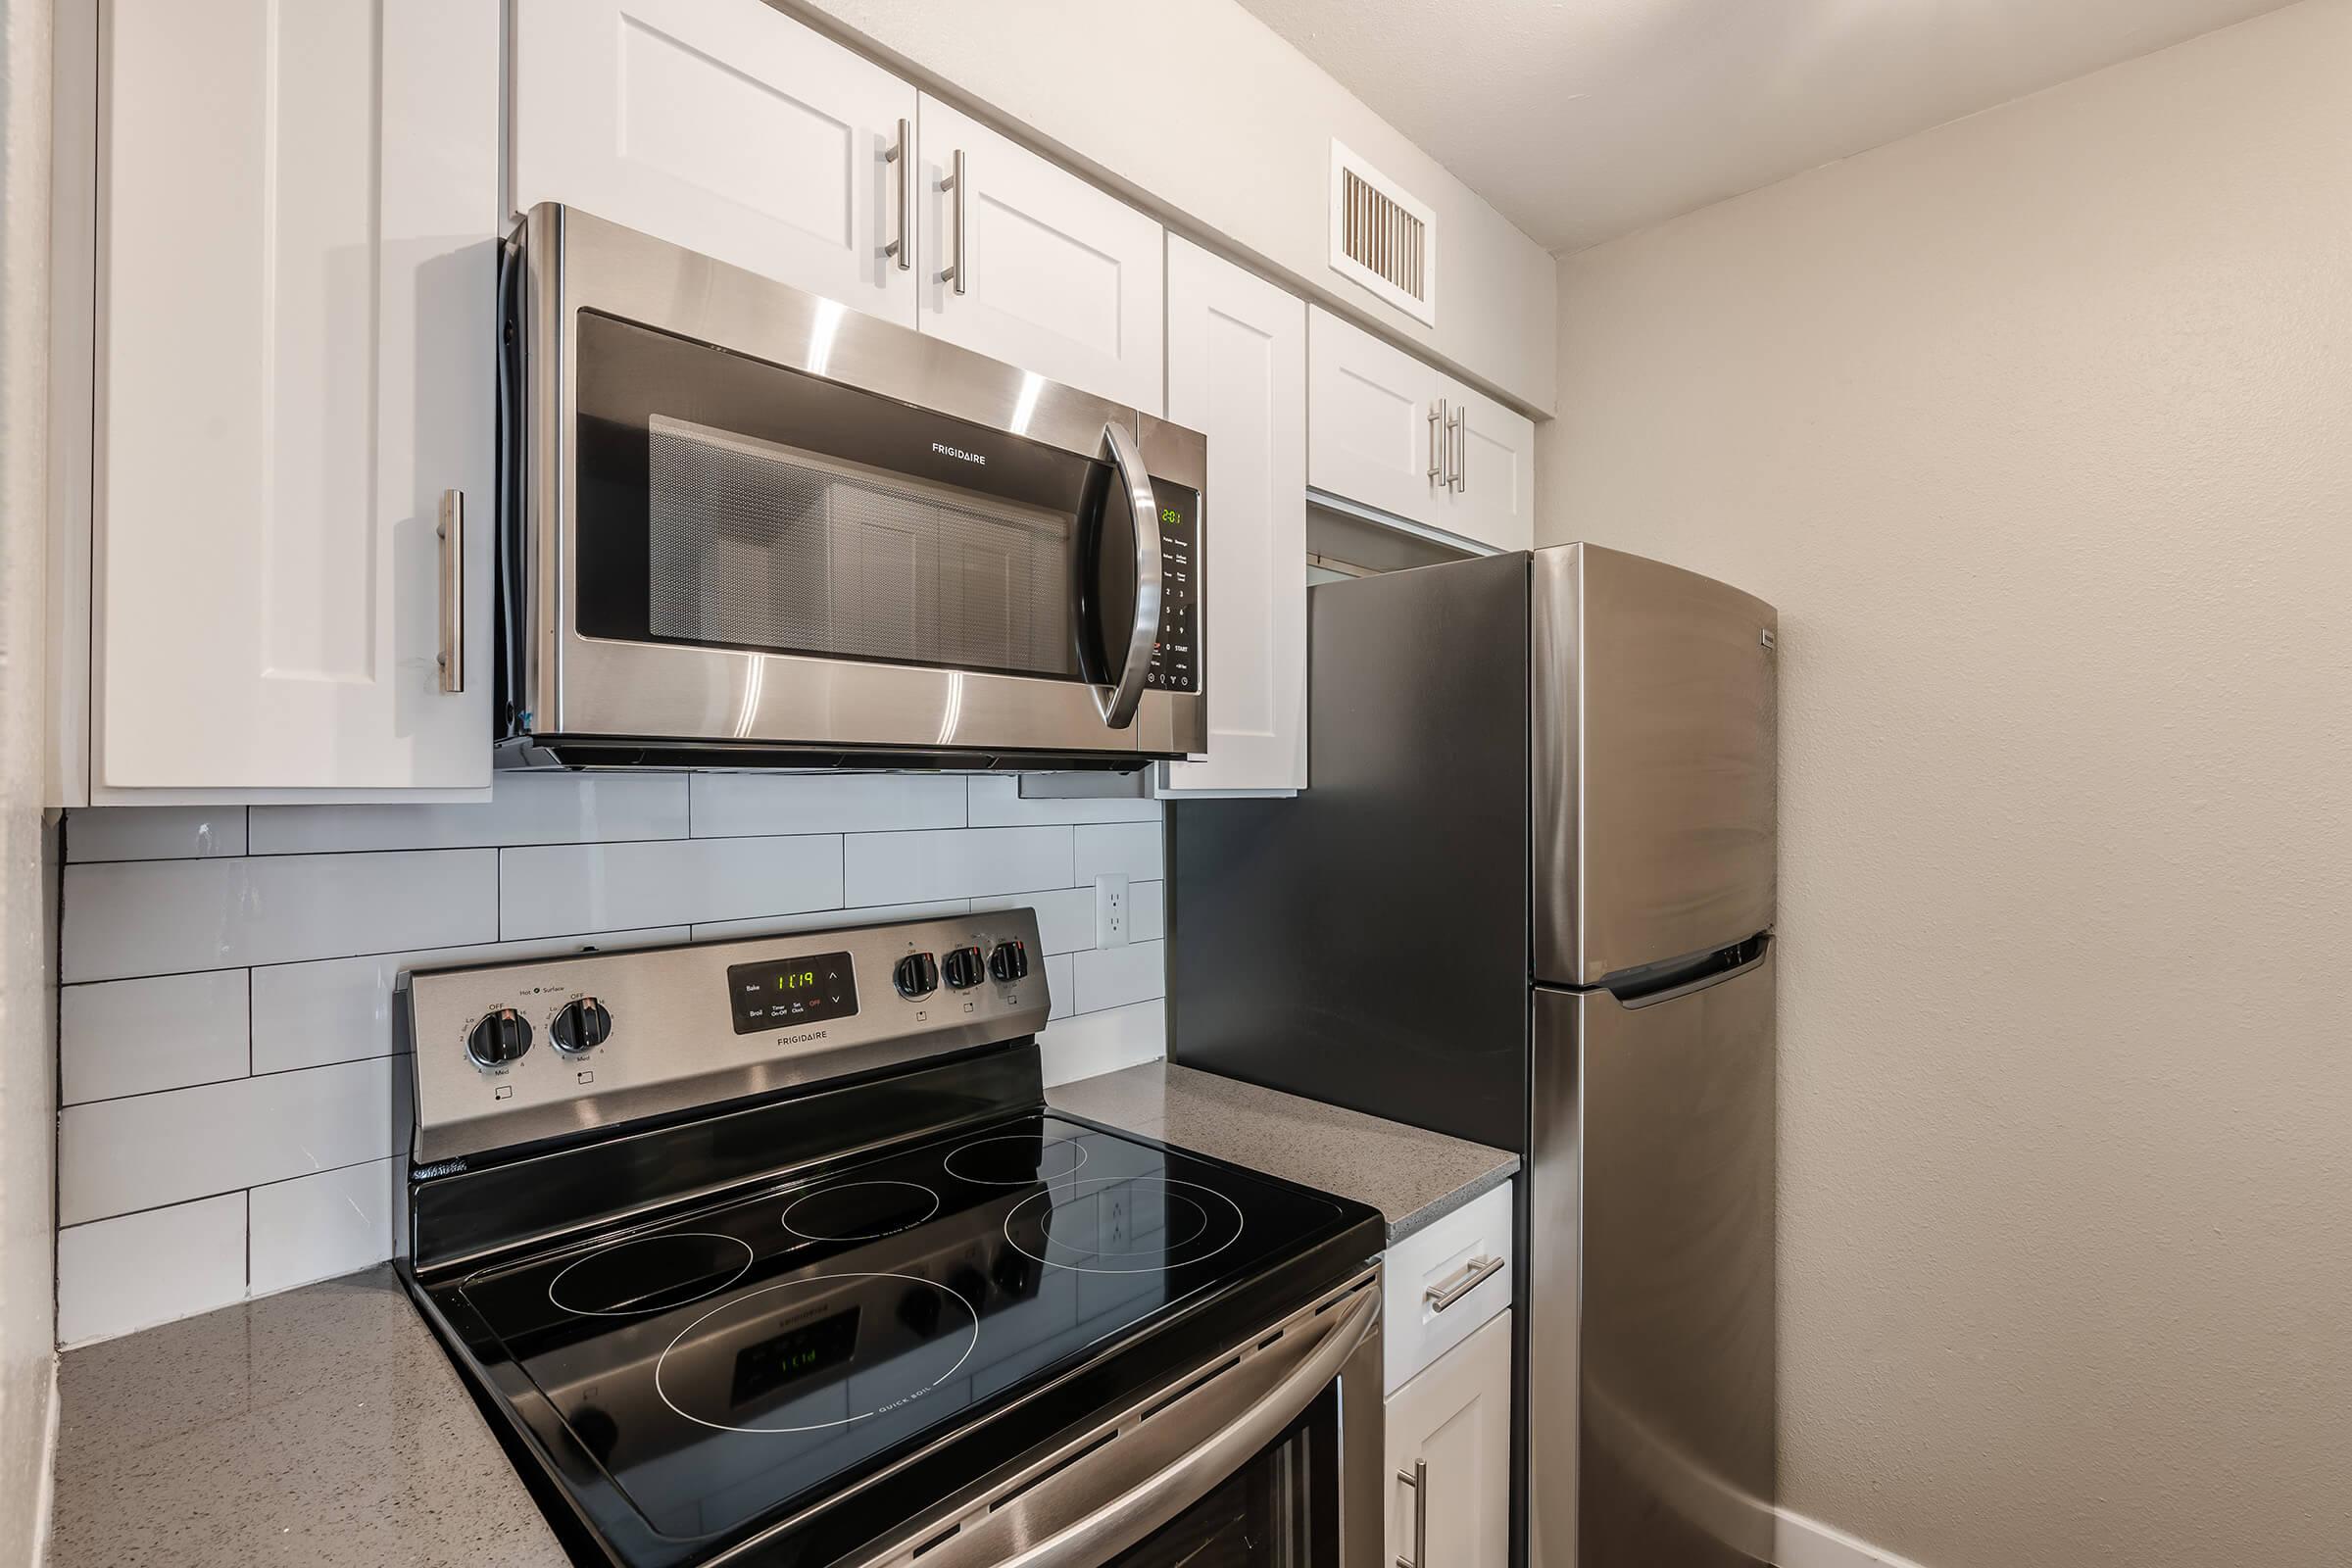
1366 943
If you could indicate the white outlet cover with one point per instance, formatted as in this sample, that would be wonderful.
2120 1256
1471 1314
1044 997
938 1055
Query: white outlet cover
1111 923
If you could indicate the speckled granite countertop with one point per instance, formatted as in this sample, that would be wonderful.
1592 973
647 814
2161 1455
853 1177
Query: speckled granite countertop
1411 1176
324 1428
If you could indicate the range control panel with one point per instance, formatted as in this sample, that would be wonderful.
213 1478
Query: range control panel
1175 658
510 1054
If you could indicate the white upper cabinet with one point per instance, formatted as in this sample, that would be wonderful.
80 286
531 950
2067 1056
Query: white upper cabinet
1492 473
1026 263
1449 1457
1371 420
1237 371
724 126
297 248
1392 434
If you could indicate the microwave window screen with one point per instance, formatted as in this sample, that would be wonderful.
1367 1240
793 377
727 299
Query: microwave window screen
752 543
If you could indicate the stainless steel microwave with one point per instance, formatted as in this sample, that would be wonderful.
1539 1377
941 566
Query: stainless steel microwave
745 527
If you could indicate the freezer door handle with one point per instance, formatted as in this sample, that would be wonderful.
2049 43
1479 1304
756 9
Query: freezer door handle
1646 989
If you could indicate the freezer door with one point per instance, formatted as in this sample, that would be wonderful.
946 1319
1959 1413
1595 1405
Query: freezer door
1651 1278
1655 750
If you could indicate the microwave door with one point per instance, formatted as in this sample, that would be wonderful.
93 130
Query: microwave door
1121 603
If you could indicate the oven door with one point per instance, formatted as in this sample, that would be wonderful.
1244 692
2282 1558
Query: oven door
765 520
1269 1458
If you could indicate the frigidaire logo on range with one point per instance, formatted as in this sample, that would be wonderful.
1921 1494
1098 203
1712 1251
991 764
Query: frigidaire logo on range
799 1040
947 450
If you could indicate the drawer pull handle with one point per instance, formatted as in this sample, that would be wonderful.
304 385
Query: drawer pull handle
1417 1478
1454 1286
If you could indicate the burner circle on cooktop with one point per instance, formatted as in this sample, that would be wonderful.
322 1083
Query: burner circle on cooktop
627 1277
859 1211
933 1298
1016 1159
1031 1225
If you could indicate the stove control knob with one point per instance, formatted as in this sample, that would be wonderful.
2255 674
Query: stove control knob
1010 962
918 975
582 1025
965 969
501 1038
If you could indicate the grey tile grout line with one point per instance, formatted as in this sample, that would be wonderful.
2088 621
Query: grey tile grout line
246 1077
591 843
564 936
252 1073
246 1192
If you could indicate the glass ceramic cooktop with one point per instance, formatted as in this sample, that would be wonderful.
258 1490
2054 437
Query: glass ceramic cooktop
728 1361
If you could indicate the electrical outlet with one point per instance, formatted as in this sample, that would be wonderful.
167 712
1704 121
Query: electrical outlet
1110 910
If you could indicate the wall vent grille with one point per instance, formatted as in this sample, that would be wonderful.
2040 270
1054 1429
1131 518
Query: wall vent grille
1381 237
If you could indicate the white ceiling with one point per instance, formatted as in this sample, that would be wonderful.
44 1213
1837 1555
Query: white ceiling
1582 119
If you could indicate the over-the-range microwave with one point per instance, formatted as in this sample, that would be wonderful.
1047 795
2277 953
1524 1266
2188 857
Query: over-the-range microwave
745 527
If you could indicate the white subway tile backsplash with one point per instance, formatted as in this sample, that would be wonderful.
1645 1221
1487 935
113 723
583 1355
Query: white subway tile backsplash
523 809
234 1116
1060 990
605 886
144 917
317 1227
142 1269
740 804
770 924
118 1155
1095 1043
134 1037
1147 911
1129 846
1114 977
899 868
155 833
340 1009
1065 916
996 801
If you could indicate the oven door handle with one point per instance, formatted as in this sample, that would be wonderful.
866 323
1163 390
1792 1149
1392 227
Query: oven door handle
1088 1512
1135 482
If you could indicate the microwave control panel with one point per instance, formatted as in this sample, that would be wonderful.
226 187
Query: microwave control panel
1175 658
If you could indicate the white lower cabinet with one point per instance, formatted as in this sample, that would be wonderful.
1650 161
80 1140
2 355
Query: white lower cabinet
1449 1456
1237 371
297 240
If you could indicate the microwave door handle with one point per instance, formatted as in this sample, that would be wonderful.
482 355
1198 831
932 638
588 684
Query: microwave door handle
1135 482
1092 1510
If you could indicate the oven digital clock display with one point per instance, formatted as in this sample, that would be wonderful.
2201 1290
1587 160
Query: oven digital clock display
779 993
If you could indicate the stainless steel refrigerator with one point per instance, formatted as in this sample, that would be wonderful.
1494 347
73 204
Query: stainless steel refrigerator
1527 899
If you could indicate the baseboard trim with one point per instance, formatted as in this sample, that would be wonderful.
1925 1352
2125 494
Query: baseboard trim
1801 1542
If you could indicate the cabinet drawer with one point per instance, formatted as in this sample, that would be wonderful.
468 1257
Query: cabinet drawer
1435 1264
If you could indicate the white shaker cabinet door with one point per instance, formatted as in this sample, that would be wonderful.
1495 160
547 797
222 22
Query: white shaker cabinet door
724 126
1453 1422
1026 263
1492 492
297 245
1372 421
1236 372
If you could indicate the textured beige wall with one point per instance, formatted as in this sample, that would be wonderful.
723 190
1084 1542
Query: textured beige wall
28 1332
2039 429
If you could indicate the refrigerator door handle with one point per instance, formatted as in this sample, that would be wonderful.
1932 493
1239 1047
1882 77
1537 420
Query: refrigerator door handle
1724 963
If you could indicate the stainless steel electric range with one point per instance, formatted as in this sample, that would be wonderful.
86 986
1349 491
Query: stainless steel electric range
769 1252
